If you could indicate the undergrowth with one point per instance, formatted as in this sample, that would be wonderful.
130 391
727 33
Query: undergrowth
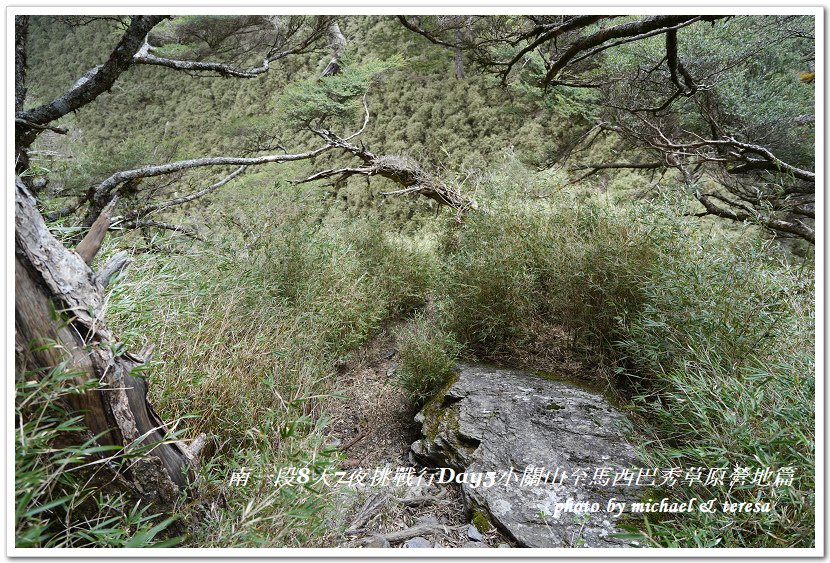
710 334
708 331
250 329
60 498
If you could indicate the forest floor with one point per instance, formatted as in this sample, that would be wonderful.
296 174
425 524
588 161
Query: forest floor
375 424
374 427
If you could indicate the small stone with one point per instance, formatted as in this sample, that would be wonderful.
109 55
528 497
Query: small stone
417 542
378 542
504 546
475 544
474 534
390 353
391 371
430 520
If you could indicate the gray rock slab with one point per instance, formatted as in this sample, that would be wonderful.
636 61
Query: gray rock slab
378 542
418 542
511 423
474 534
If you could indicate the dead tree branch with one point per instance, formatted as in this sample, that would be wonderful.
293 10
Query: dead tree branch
91 243
632 30
101 192
400 169
145 57
92 84
338 44
153 207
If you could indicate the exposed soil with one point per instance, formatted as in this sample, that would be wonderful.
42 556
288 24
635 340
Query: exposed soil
374 425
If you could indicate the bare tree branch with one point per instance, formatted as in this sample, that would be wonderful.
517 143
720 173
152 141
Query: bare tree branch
571 24
400 169
113 266
618 165
147 209
420 31
101 192
183 229
797 227
220 69
646 35
659 24
94 82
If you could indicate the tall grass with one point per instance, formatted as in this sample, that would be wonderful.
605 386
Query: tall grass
428 355
723 353
713 332
249 330
710 331
61 497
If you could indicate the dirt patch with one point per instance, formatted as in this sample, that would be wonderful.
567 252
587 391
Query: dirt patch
374 425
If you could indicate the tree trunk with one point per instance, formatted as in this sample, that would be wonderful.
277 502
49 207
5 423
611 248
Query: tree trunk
459 56
338 44
50 278
21 34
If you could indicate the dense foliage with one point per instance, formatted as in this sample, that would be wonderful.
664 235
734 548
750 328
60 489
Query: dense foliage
704 329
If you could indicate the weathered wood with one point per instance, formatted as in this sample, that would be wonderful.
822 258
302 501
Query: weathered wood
402 170
114 265
424 500
91 243
425 528
372 505
50 279
338 44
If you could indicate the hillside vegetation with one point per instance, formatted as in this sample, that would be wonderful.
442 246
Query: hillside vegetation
703 328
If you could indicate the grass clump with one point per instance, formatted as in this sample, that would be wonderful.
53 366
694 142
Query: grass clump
428 354
61 495
521 266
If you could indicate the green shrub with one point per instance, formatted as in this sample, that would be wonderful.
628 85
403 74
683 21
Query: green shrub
574 264
713 331
406 268
722 354
428 355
